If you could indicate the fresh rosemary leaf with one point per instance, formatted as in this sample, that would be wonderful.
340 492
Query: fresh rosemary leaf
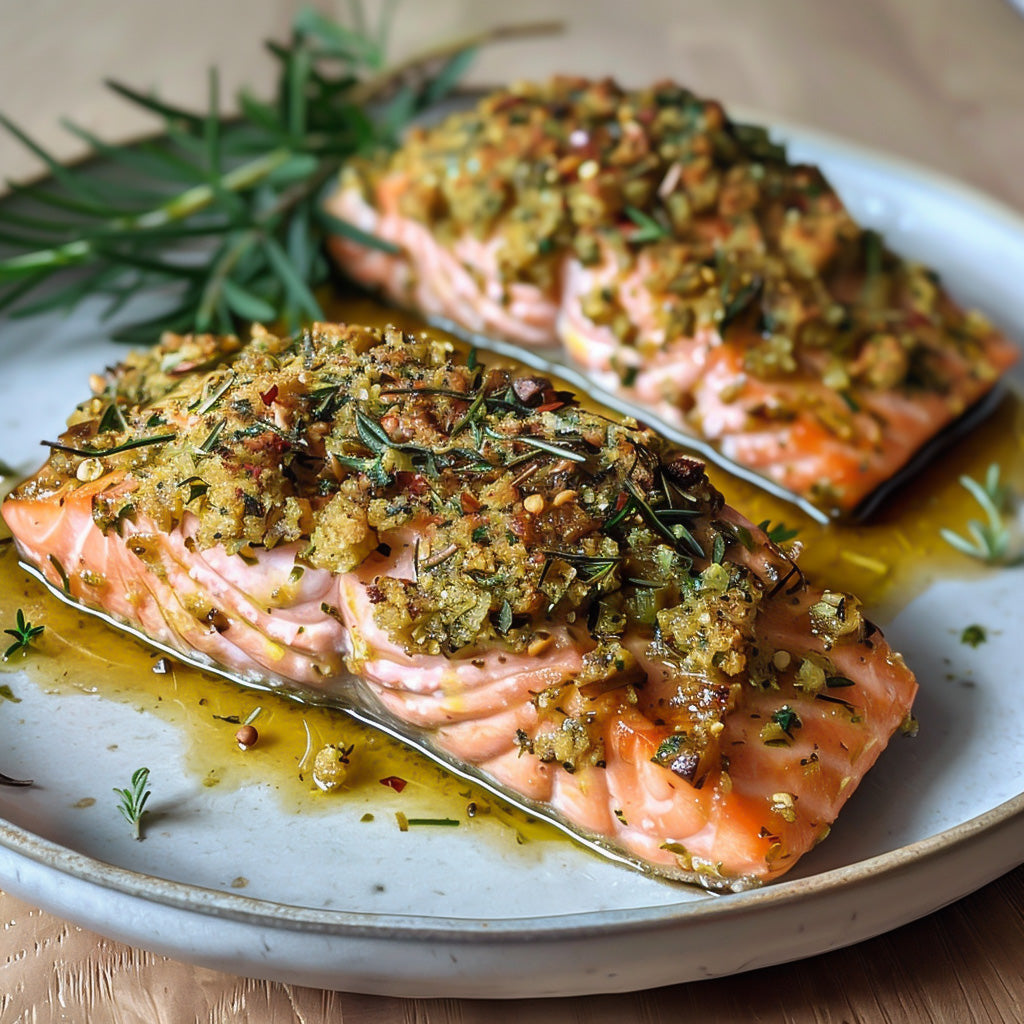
249 188
342 227
82 188
448 77
247 305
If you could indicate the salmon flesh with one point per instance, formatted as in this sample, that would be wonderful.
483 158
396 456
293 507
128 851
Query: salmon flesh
551 598
685 265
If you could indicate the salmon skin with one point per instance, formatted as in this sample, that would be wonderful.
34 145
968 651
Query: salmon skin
686 266
548 597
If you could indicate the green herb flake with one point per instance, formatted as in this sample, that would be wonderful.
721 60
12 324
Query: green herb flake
837 681
24 633
973 635
504 618
6 693
787 719
779 534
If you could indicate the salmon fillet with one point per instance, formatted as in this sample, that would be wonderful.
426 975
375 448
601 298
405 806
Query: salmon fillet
687 266
550 597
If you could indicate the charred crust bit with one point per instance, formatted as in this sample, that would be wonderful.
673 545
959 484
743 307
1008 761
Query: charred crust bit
374 594
217 620
685 472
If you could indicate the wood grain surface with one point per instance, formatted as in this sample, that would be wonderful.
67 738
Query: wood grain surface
937 81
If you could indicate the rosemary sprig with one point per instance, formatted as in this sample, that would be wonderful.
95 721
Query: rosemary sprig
24 633
226 210
989 541
133 799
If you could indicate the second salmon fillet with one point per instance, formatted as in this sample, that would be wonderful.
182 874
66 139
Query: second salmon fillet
685 264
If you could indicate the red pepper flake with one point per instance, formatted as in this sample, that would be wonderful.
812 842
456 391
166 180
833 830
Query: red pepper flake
268 396
550 406
394 782
469 503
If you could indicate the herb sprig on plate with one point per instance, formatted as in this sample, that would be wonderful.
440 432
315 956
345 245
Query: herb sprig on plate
989 541
134 797
224 210
24 634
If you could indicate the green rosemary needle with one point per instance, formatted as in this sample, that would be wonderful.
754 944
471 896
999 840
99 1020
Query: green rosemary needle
989 541
225 210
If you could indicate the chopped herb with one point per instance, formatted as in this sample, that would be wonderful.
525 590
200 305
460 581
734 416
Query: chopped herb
787 719
212 438
24 633
138 442
744 536
779 534
504 618
449 822
216 395
849 401
718 549
647 228
133 799
112 420
973 635
479 534
837 681
736 304
6 693
197 487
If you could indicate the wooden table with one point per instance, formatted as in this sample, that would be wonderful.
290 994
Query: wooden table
937 81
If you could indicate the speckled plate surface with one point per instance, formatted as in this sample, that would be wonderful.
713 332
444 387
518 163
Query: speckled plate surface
336 903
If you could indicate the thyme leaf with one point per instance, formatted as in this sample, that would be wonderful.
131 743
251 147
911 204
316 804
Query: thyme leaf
779 534
132 804
24 633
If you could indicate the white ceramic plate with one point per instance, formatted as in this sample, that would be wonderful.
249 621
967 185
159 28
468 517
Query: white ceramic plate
334 903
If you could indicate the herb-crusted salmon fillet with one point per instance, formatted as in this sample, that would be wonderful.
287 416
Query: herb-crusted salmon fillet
681 259
542 593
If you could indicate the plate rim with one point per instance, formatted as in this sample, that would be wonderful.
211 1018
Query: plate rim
411 927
